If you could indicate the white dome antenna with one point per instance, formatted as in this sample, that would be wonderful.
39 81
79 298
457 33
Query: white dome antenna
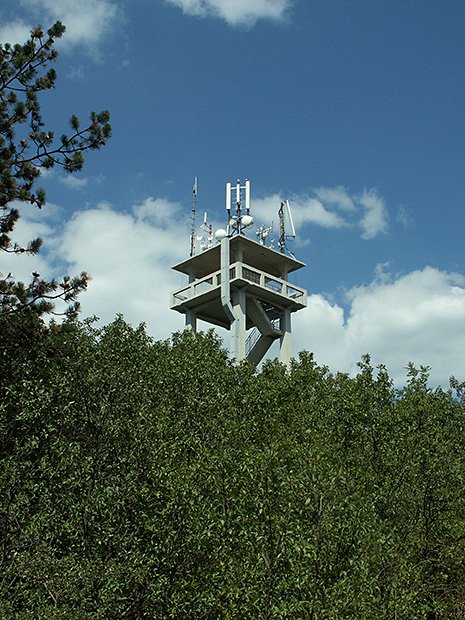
246 221
220 234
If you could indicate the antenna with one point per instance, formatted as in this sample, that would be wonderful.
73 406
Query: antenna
237 222
228 198
206 234
263 233
290 220
286 225
194 205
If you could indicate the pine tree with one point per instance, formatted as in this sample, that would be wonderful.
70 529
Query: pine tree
26 149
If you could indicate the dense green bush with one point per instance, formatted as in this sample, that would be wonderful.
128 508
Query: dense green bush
144 479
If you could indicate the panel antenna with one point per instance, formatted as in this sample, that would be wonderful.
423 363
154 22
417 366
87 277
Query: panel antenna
238 221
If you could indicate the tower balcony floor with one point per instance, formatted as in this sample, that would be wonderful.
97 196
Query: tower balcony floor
203 295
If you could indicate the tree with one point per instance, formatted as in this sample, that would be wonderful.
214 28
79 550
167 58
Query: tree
143 479
26 149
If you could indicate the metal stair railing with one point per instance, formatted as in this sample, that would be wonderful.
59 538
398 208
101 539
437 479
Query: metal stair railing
255 335
252 340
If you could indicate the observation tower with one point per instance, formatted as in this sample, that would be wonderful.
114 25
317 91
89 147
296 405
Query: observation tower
241 284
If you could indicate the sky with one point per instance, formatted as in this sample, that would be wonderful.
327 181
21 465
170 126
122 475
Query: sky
353 110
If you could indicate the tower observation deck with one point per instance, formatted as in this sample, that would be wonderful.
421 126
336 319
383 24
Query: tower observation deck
243 286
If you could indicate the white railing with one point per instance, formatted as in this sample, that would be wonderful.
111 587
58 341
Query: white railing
239 271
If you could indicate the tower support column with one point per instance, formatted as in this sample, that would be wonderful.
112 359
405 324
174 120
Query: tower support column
239 326
285 348
191 320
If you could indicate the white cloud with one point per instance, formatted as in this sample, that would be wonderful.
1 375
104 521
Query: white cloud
129 257
374 221
33 223
74 182
86 21
76 73
336 196
235 12
16 31
417 317
312 211
333 207
305 210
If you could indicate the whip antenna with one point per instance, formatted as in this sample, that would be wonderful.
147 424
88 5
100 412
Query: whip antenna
194 205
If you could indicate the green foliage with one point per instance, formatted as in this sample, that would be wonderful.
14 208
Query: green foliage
146 479
27 148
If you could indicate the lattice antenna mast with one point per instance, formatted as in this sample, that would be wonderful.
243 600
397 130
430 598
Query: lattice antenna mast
194 206
286 225
237 221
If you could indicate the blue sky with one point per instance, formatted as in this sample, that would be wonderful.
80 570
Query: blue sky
352 110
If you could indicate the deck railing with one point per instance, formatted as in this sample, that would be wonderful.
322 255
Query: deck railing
239 271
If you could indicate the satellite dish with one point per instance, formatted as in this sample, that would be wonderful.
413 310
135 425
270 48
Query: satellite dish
220 234
246 221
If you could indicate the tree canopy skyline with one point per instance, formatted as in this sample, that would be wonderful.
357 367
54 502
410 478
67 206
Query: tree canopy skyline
352 112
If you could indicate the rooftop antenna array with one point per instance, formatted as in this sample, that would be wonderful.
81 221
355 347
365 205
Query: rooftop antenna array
286 226
237 221
239 218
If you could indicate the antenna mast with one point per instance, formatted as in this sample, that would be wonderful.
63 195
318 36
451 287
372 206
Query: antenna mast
236 221
194 205
285 216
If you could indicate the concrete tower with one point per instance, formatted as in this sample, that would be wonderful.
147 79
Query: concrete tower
243 286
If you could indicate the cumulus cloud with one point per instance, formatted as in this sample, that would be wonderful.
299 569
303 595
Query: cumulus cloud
32 224
305 210
74 182
335 196
129 256
15 31
330 207
235 12
312 211
417 317
86 21
374 221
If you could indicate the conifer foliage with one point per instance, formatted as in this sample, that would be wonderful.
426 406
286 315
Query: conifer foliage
26 149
